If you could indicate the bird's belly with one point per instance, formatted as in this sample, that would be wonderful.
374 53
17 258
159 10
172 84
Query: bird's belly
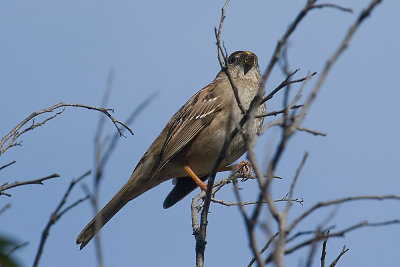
202 155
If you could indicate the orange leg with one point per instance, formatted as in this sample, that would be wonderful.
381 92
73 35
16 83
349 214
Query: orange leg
196 179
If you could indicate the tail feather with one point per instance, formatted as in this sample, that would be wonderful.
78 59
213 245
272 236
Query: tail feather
112 207
140 181
182 188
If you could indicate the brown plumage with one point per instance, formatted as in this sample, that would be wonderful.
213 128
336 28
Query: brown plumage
192 139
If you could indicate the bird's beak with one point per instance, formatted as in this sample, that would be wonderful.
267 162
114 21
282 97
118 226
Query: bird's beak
249 62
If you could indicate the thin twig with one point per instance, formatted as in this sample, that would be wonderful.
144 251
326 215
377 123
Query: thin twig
7 186
14 134
292 186
316 133
336 234
323 253
222 57
131 119
104 147
313 248
344 44
278 255
287 82
6 207
269 242
335 202
343 232
246 203
6 165
301 233
250 224
344 250
18 246
344 9
276 112
99 144
55 216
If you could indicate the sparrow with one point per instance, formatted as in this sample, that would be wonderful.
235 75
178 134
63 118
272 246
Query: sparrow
189 145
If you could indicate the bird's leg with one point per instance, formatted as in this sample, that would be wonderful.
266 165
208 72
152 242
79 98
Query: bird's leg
196 179
244 167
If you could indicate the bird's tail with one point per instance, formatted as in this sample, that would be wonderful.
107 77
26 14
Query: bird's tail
112 207
132 189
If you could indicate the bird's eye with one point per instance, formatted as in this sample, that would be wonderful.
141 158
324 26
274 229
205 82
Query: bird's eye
232 60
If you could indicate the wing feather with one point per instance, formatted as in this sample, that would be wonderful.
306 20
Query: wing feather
189 121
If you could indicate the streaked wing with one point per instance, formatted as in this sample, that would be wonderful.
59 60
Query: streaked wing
189 121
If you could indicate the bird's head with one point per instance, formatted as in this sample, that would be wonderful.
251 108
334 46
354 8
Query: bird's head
244 60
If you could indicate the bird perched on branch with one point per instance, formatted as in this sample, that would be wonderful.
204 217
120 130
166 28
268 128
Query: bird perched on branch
189 145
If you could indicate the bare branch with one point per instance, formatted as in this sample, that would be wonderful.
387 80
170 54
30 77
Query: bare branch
290 123
300 233
342 233
323 254
222 57
291 191
221 53
364 14
313 249
250 224
344 250
104 146
271 239
6 207
344 9
18 246
131 119
76 203
6 165
316 133
336 234
283 40
287 82
7 186
99 167
55 216
14 134
338 201
276 112
246 203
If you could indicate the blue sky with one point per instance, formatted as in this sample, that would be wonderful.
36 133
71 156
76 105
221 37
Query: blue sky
55 51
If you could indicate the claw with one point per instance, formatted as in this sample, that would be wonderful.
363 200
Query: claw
245 168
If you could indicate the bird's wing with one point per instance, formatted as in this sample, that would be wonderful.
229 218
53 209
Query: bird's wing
189 121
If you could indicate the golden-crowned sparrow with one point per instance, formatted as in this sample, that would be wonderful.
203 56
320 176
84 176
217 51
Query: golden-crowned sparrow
191 141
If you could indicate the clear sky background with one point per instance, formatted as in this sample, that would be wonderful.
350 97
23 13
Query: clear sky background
53 51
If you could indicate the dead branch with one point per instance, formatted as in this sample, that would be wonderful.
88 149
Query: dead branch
277 112
323 253
335 234
344 250
56 215
7 186
269 242
6 165
6 207
314 132
104 147
335 202
18 246
15 133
